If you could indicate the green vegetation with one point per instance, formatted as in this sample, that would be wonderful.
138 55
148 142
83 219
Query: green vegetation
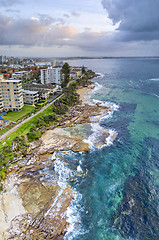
9 153
40 104
83 70
15 116
38 129
65 75
5 129
25 128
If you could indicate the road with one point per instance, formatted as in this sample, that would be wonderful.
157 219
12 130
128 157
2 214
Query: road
2 137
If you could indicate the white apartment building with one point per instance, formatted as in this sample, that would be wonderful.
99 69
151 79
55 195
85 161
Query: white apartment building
11 95
1 101
51 75
31 97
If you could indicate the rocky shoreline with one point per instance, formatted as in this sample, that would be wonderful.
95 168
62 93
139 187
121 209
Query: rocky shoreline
32 207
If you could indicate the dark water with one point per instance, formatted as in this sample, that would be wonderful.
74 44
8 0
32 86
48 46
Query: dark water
119 197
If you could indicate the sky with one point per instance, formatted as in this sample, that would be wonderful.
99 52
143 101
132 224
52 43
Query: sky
67 28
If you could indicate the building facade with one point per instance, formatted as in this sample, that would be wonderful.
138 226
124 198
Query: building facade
51 75
21 75
44 90
11 95
31 97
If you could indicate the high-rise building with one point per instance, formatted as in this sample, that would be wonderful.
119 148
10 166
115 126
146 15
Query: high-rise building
11 95
1 101
2 59
51 75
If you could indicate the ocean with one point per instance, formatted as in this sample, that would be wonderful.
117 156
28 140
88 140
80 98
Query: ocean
117 186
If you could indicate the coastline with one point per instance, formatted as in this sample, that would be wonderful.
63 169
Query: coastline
43 202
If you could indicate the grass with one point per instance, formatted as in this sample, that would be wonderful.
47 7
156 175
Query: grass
5 129
25 128
15 116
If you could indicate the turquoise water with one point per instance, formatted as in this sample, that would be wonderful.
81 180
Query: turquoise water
117 190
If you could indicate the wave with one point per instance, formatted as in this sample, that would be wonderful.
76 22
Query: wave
64 173
154 79
100 75
97 87
113 106
73 212
156 95
100 137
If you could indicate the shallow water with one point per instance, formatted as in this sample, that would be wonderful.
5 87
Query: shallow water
117 186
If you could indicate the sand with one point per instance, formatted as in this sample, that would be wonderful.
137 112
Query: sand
10 206
85 93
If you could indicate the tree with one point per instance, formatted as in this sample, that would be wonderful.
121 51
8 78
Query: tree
65 74
83 70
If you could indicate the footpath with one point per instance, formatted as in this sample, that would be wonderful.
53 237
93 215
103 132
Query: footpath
4 135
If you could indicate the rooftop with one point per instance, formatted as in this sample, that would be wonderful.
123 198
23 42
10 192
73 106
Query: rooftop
29 92
20 72
10 80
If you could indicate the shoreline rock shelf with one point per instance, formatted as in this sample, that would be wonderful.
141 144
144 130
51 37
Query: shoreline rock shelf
42 204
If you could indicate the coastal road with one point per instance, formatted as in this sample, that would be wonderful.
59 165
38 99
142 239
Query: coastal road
2 137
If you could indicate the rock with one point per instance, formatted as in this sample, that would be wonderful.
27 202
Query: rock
62 143
81 147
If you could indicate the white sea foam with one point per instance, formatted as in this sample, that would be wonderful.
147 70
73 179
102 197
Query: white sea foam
79 169
63 171
111 105
73 213
154 79
97 87
100 75
110 139
99 133
155 95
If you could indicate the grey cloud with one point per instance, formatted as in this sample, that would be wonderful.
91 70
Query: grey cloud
45 32
66 15
138 19
8 3
46 19
38 32
75 13
32 31
12 11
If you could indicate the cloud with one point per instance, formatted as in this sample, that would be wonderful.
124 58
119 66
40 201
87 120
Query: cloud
33 31
8 3
66 15
75 13
46 19
12 11
44 31
138 19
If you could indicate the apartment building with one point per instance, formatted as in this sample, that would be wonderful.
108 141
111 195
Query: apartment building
44 90
31 97
21 75
51 75
1 101
11 95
